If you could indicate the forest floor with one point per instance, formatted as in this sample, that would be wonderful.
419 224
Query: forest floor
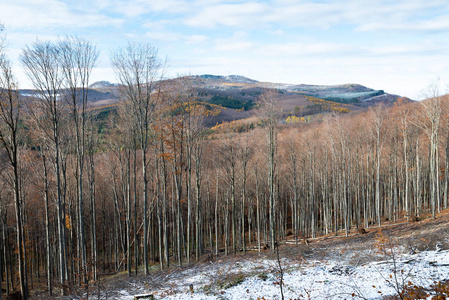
406 257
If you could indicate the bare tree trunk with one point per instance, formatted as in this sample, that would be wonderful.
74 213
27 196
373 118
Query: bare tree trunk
378 119
41 63
189 200
128 213
159 211
77 58
138 68
446 174
165 216
93 214
418 181
198 218
233 208
47 228
20 240
136 244
245 160
179 231
5 253
271 188
216 213
258 211
2 245
9 138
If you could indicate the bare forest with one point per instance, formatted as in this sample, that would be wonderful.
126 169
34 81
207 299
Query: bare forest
149 185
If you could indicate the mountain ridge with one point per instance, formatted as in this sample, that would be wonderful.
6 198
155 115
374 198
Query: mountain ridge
238 95
321 91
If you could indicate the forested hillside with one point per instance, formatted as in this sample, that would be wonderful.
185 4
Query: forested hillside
85 193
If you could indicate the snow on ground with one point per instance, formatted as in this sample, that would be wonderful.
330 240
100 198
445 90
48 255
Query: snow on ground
329 278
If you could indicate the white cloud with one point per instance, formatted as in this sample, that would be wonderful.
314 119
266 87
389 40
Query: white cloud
234 14
157 25
298 49
278 32
170 37
239 42
401 68
196 39
438 23
380 43
423 49
45 14
134 8
164 36
363 15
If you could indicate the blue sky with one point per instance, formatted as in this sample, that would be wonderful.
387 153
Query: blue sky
399 46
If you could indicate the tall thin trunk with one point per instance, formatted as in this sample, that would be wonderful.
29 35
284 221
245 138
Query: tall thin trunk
159 209
93 214
2 245
257 211
19 230
233 210
145 210
271 188
47 228
216 213
136 244
128 212
189 200
198 217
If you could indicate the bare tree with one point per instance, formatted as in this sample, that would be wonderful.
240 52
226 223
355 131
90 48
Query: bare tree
10 135
42 66
378 134
77 59
138 70
229 156
244 154
402 111
429 120
269 113
291 153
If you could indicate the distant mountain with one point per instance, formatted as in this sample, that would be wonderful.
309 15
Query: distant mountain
229 78
238 95
355 94
102 84
96 95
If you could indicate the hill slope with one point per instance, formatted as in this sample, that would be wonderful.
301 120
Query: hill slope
236 92
330 267
238 95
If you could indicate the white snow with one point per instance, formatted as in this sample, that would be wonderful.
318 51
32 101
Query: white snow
330 278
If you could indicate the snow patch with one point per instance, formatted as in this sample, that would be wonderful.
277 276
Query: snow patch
326 279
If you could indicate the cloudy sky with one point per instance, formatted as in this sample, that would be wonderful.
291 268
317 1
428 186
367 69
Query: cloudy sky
399 46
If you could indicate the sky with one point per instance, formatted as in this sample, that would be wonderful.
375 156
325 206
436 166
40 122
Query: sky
398 46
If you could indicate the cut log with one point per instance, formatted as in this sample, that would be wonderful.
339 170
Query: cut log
144 296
